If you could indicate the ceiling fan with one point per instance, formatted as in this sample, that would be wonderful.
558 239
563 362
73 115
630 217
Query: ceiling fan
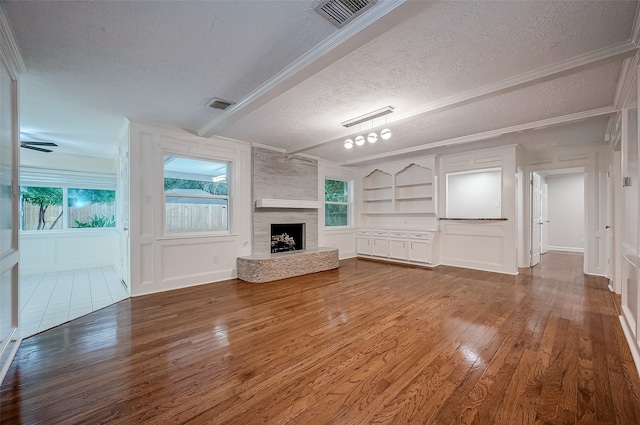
36 146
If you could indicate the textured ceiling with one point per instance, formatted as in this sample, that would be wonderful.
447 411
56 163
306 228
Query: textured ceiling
93 64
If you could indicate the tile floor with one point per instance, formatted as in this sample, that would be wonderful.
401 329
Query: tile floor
50 299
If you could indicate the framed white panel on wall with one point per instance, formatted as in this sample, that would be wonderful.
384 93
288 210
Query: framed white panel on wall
474 194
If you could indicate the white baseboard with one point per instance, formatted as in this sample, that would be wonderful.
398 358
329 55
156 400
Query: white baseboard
631 342
565 248
7 357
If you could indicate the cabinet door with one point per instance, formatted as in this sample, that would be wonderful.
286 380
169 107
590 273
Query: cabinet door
420 251
398 249
364 245
381 247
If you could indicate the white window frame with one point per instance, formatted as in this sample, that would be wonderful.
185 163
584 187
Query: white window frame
349 203
204 158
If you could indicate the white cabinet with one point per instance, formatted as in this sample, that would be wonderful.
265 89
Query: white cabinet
398 249
405 246
380 246
364 244
420 251
420 247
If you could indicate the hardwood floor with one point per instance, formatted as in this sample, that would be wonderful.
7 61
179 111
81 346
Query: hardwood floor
369 343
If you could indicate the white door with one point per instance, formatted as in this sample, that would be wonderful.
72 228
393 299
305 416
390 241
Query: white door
123 202
536 218
608 231
10 194
544 229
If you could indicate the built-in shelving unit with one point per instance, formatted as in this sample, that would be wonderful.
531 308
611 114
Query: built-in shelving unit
410 191
377 192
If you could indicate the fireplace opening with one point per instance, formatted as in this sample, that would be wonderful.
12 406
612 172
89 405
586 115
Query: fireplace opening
287 237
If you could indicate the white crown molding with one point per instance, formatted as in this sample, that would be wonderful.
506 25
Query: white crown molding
335 40
489 134
268 147
9 49
616 51
627 78
635 31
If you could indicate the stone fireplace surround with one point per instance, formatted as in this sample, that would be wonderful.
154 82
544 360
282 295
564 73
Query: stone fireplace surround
277 175
280 176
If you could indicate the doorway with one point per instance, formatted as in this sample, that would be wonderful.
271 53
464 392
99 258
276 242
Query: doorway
558 212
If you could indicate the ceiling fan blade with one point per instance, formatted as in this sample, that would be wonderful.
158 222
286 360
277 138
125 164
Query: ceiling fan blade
35 148
39 143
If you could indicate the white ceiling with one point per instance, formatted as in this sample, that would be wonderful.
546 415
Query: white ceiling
483 72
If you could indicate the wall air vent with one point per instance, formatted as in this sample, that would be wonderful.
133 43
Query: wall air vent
341 12
219 103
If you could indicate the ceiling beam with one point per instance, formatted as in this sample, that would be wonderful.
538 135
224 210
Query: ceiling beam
385 14
549 122
615 52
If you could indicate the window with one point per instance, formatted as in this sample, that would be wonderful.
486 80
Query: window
41 208
91 208
60 200
196 195
336 203
44 208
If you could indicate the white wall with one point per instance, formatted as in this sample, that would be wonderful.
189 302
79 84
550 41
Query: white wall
566 212
629 242
51 251
162 262
59 161
343 238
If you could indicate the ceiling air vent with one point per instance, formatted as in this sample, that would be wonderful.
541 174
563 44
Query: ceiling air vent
341 12
219 103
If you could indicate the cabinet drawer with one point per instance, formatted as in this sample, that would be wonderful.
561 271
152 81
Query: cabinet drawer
364 233
422 236
380 233
400 235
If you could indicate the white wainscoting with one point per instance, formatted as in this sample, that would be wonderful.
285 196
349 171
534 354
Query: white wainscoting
344 240
52 251
478 246
160 261
190 262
